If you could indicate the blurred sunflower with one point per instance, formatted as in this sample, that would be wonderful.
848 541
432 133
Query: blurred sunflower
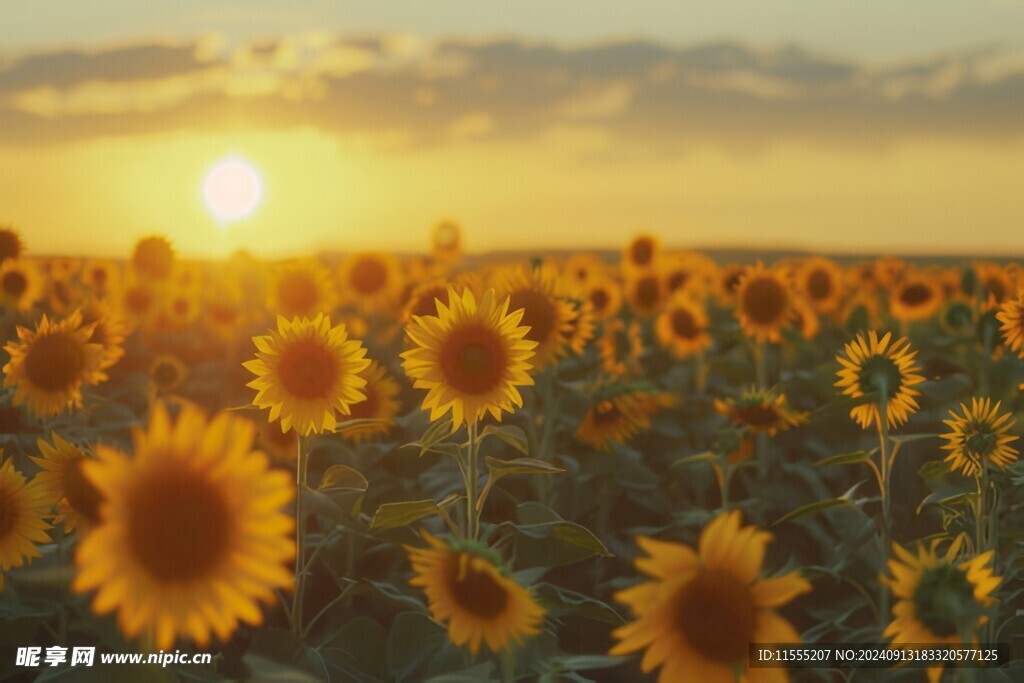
889 270
1011 315
682 327
471 358
153 259
468 589
700 611
140 304
620 347
421 300
108 330
371 281
21 284
63 479
820 280
937 598
641 253
382 403
166 373
63 268
803 318
763 303
102 277
874 366
581 326
646 293
49 365
689 271
193 535
581 268
995 284
306 373
11 246
301 290
22 506
618 418
761 410
979 434
605 295
727 283
446 241
282 447
180 309
546 313
917 296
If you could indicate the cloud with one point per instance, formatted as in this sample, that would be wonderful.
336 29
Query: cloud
635 92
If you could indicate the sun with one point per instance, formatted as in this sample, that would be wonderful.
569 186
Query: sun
232 190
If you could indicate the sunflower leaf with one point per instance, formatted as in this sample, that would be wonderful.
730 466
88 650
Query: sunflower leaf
706 456
394 515
349 425
342 479
907 438
814 507
560 602
510 434
845 459
499 468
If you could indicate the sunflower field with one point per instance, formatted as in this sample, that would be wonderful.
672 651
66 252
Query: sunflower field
571 467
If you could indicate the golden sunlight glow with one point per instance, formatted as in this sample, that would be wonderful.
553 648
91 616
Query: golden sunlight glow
232 189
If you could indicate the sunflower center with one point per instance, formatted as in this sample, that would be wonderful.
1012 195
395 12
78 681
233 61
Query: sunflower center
996 289
179 525
14 283
684 325
677 280
916 294
307 369
54 361
368 276
819 285
99 277
764 300
880 374
473 360
83 497
298 292
944 600
757 415
732 281
642 251
606 413
367 408
477 591
8 514
538 313
600 299
164 374
10 245
717 615
648 292
138 300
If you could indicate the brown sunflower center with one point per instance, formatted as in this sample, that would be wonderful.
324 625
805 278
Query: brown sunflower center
83 497
478 592
368 276
8 514
684 324
98 277
916 294
606 413
642 251
819 284
944 600
367 408
764 300
757 415
54 361
165 374
179 524
538 313
14 283
600 299
153 257
138 300
717 615
731 281
307 369
297 292
677 279
647 292
10 245
473 359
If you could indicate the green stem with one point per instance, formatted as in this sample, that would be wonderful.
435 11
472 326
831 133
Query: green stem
301 465
545 484
883 443
508 667
472 479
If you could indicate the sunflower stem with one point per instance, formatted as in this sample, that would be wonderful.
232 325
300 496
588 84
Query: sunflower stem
472 515
886 472
508 666
301 464
545 484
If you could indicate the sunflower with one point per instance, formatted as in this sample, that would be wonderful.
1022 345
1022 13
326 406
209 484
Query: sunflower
301 289
382 403
101 276
646 293
307 372
192 535
371 281
761 410
803 318
763 303
821 282
179 310
422 300
446 241
1011 315
153 259
682 327
21 284
469 357
620 347
701 609
546 313
727 283
604 295
641 253
109 330
63 478
690 271
22 506
11 245
889 270
281 447
978 434
63 268
994 282
140 304
49 365
581 326
468 589
874 365
166 373
917 296
937 598
618 418
581 268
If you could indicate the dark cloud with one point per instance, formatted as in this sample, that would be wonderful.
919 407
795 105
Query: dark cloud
640 92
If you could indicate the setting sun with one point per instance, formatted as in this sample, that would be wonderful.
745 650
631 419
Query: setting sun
232 190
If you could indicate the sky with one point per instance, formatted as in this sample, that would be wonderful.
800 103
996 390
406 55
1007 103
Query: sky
823 126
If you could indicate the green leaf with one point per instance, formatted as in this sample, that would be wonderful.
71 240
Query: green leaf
510 434
394 515
435 433
706 456
908 438
320 503
414 641
947 498
844 500
500 468
554 543
562 601
349 425
342 478
586 662
845 459
481 673
933 469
